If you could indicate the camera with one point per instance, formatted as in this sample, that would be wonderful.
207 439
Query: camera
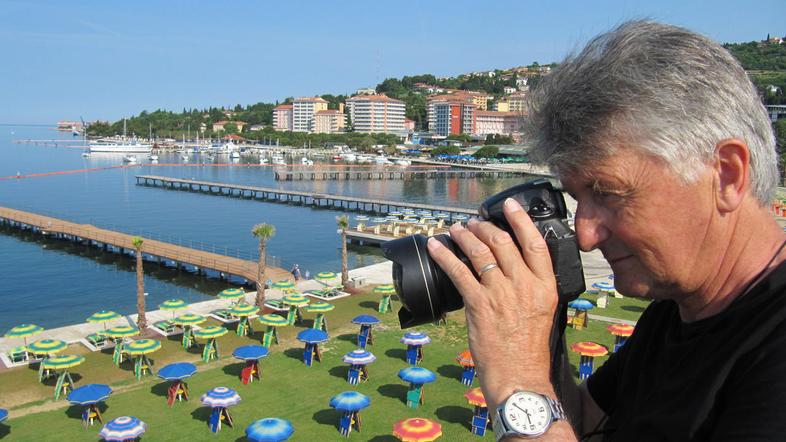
427 293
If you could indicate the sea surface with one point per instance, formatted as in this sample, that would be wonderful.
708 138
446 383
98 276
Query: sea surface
54 283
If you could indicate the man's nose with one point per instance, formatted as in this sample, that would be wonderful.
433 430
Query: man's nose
590 228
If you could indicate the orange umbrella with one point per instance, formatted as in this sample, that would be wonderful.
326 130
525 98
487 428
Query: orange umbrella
417 429
589 349
465 359
475 397
620 329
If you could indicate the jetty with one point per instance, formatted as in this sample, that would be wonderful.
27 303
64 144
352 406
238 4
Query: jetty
120 242
369 205
392 174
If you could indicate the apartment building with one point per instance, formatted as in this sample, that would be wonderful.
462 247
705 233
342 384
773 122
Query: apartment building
497 123
376 114
329 121
282 117
303 111
452 117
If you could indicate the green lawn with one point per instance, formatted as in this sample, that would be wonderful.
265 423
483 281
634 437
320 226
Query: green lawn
288 388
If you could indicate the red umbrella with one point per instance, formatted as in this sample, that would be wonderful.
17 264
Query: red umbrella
589 349
417 429
465 359
620 329
475 397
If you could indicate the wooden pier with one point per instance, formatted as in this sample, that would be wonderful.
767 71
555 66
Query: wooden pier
111 240
391 174
369 205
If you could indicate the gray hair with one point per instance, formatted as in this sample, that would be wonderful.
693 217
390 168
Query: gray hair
659 88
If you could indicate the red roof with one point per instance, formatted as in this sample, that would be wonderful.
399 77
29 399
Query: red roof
315 99
283 107
234 137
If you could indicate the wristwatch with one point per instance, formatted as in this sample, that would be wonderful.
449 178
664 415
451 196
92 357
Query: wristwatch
526 414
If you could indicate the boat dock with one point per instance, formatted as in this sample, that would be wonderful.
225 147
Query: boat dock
314 199
114 241
392 174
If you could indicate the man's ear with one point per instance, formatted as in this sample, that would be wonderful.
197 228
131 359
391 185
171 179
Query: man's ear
732 161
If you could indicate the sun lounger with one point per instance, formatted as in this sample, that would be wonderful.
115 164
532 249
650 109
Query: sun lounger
18 355
97 340
165 326
223 315
276 305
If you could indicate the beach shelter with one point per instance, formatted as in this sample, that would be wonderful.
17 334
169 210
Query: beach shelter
581 306
23 331
326 277
284 285
89 396
242 311
173 305
233 294
294 301
417 429
272 321
123 428
220 399
349 403
187 322
176 373
386 291
58 366
140 349
209 335
118 334
271 429
588 351
621 333
417 377
312 338
415 341
468 364
358 361
45 347
480 417
605 289
3 415
320 308
251 354
366 322
103 316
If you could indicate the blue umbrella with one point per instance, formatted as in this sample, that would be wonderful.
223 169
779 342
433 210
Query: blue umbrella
220 397
250 352
177 371
3 414
415 338
359 357
271 429
417 375
604 285
365 320
89 394
123 428
350 401
581 304
312 336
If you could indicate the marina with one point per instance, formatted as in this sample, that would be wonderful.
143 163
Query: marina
388 174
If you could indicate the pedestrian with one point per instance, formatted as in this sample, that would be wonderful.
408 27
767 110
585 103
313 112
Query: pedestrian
296 272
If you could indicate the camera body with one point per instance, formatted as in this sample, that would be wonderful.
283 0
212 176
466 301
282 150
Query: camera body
427 293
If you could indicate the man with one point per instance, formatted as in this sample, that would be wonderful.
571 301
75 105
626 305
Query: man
660 137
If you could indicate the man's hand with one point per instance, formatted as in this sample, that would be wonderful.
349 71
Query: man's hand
511 308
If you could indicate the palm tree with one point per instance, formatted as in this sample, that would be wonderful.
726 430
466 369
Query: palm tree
343 224
141 320
263 232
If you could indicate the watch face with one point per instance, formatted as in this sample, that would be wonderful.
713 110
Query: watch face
527 413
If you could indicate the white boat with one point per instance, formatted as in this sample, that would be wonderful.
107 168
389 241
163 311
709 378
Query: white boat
153 157
279 160
234 155
403 162
130 159
349 157
85 154
184 157
124 146
262 160
381 160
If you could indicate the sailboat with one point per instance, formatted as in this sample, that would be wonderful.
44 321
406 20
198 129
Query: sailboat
123 146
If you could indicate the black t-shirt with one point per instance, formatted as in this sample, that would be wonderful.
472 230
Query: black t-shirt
720 378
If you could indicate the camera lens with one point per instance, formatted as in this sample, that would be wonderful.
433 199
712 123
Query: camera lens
425 291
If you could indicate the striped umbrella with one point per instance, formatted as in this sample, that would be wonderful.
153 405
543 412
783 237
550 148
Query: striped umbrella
273 320
417 429
415 338
581 304
606 286
379 220
103 317
475 397
441 215
295 299
232 294
460 217
220 397
123 331
312 336
359 357
142 347
3 414
417 375
24 331
89 394
173 305
210 332
188 319
326 276
591 349
465 359
243 309
270 429
320 307
361 218
620 329
177 371
250 352
385 289
395 213
365 320
284 284
350 401
407 210
47 346
62 362
123 428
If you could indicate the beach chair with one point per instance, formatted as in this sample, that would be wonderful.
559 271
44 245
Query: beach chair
377 229
97 340
430 231
165 326
17 355
396 231
223 314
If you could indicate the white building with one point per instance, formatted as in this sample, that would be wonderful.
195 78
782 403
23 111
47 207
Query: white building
303 111
497 123
282 117
377 114
329 121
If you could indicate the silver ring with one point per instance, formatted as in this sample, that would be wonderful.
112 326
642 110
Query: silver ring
486 268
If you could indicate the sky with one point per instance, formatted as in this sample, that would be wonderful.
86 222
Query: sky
110 59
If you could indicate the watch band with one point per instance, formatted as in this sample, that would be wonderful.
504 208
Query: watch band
501 428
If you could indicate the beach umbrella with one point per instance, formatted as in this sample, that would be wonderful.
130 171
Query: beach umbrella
621 333
364 335
284 285
175 373
379 220
361 218
325 276
232 294
365 320
187 321
123 428
47 347
581 304
350 401
417 429
118 333
272 321
173 305
103 317
359 357
24 331
395 213
141 348
605 286
61 363
243 311
89 394
480 417
460 217
312 338
417 375
475 397
3 414
441 215
220 397
270 429
294 301
415 342
465 360
320 308
386 291
588 352
251 354
209 334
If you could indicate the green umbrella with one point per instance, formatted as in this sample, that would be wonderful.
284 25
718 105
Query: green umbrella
385 289
243 309
103 317
295 299
272 322
232 294
141 348
24 331
123 331
325 276
47 346
211 346
283 285
188 319
64 380
173 305
320 307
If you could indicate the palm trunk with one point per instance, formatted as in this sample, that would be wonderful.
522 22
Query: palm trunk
344 267
260 300
141 320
